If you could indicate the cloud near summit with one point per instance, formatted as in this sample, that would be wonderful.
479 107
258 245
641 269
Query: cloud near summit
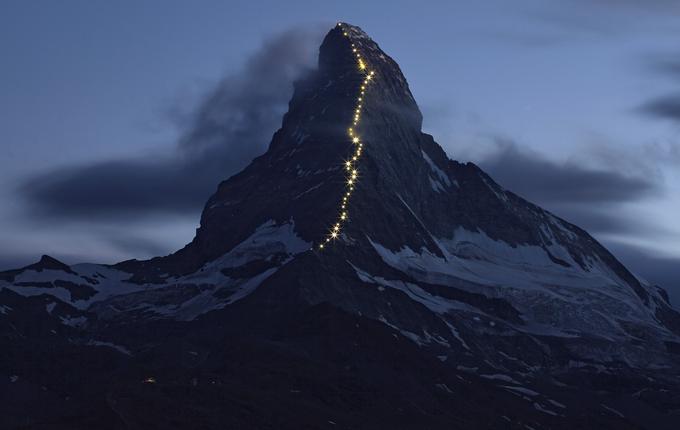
231 125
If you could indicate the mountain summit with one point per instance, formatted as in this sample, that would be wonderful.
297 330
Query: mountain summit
352 275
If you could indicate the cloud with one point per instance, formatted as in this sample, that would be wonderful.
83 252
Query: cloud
539 179
580 190
665 107
232 124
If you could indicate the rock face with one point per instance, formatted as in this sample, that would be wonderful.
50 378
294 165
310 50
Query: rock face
441 300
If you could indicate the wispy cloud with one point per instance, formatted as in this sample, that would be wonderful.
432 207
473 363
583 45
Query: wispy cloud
232 124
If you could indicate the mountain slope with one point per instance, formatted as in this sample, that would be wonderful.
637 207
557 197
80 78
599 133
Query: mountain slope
483 286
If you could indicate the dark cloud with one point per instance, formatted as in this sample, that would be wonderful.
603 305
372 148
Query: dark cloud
588 197
233 124
666 107
538 179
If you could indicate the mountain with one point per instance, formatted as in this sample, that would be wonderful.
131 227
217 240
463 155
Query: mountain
353 276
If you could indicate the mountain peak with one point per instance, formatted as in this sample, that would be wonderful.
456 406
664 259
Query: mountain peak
351 174
357 104
428 267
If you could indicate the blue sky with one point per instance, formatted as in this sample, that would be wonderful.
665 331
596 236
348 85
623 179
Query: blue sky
577 90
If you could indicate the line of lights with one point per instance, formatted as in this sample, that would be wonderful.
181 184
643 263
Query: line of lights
350 165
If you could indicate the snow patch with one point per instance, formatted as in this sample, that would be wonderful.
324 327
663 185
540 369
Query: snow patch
437 171
73 321
50 307
118 348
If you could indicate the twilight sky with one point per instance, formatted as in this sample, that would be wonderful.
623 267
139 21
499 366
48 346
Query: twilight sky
118 119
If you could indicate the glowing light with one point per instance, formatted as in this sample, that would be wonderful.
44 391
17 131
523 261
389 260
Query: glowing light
349 164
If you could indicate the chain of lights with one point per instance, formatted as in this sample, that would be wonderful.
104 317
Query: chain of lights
351 164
